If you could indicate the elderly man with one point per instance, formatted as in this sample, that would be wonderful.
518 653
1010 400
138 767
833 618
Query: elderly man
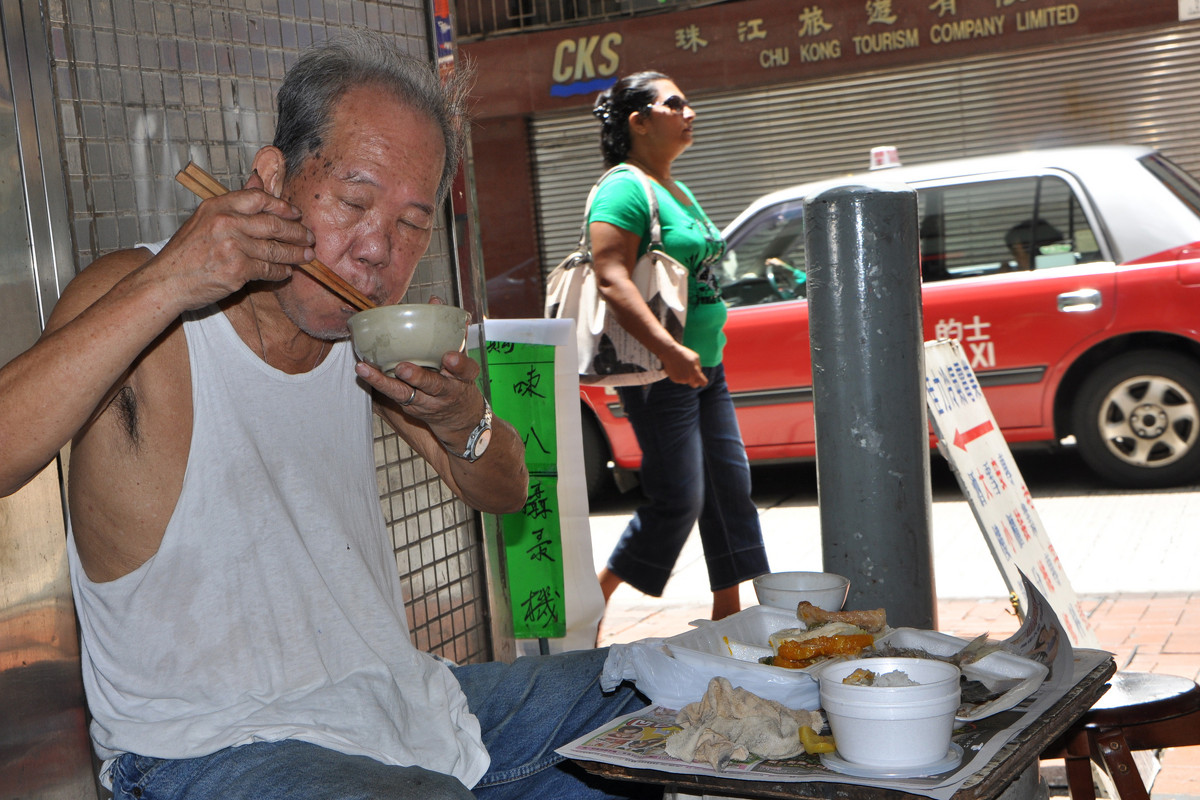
241 618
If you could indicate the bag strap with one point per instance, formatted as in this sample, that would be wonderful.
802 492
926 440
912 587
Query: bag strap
652 200
585 239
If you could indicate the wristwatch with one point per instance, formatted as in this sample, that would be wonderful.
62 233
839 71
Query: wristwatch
480 438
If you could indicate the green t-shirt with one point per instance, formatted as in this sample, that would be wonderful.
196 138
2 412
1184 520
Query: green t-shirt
688 236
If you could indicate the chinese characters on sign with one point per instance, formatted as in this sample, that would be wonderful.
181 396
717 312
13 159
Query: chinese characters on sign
522 392
830 36
972 443
974 334
689 38
817 34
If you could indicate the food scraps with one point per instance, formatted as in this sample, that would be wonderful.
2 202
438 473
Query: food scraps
728 724
814 743
872 621
865 677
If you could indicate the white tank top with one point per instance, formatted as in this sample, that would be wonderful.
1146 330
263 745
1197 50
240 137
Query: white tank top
272 608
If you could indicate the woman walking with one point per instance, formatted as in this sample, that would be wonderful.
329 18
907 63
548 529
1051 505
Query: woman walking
694 465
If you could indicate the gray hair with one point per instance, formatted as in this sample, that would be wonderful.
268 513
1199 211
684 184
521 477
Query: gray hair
326 71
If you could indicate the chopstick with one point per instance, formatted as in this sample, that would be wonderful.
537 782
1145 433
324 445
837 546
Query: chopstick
204 186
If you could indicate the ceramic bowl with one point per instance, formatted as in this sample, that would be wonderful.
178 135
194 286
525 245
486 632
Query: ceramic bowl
421 333
786 589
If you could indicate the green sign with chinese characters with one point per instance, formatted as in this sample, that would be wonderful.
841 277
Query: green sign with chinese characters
522 392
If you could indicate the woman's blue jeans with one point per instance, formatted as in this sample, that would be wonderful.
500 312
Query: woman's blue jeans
694 468
526 709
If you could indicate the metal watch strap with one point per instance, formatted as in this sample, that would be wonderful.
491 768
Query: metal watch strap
485 424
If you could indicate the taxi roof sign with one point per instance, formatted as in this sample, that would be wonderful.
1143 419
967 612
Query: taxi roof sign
885 157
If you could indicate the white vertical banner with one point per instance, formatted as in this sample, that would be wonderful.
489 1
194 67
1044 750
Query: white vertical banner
582 599
1189 9
971 441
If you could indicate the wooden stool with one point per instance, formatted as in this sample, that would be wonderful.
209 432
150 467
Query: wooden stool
1141 711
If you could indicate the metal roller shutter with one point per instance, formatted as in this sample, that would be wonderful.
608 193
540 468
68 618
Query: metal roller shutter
1134 88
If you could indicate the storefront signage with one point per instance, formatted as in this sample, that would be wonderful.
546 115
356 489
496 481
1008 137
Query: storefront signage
585 65
726 45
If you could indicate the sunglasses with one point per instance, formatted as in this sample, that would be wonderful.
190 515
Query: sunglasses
675 103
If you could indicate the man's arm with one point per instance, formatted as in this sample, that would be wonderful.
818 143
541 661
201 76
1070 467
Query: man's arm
116 309
446 409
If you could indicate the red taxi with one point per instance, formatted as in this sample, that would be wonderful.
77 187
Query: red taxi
1070 276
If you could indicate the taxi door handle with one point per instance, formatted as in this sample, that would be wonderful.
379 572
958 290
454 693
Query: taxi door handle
1080 300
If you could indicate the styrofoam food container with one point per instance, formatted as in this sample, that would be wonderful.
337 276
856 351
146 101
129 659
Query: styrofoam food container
787 589
995 667
902 726
732 646
743 638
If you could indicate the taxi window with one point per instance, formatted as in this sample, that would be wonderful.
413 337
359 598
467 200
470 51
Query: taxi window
1179 182
764 259
992 227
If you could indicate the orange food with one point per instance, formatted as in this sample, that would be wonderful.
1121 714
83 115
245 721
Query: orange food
780 661
814 743
794 655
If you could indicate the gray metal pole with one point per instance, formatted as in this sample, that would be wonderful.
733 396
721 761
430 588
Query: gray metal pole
864 300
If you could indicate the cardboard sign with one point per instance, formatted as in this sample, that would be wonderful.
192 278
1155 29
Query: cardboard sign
971 441
522 384
547 567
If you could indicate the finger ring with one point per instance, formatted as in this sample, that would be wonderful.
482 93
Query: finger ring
409 401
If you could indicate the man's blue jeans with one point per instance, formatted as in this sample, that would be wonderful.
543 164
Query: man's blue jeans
526 710
694 467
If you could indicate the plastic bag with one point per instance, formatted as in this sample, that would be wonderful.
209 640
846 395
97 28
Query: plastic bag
672 683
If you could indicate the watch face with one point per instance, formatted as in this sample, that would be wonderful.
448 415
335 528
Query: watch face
482 442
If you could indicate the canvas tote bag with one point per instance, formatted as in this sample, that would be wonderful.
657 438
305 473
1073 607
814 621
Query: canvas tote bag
608 355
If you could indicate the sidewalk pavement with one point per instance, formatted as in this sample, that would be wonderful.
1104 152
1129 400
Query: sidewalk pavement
1131 557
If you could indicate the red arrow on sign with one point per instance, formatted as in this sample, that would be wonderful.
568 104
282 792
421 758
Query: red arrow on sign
963 438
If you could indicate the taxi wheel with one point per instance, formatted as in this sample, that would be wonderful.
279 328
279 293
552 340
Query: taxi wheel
1137 420
595 458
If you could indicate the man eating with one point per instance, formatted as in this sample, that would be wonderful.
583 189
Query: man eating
242 625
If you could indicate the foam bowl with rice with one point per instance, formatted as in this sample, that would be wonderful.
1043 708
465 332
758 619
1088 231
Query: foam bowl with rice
901 718
421 333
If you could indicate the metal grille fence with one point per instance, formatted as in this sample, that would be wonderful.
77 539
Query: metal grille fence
477 18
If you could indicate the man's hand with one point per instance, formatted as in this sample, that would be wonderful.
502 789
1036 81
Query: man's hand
435 411
229 241
447 401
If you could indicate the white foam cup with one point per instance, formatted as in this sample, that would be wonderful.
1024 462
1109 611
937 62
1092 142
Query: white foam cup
899 727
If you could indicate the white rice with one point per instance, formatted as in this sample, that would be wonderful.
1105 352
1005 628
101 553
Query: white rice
894 678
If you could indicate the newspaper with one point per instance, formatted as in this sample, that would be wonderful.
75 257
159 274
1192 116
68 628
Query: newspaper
638 740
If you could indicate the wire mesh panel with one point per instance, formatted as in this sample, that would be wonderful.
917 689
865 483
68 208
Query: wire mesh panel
437 553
